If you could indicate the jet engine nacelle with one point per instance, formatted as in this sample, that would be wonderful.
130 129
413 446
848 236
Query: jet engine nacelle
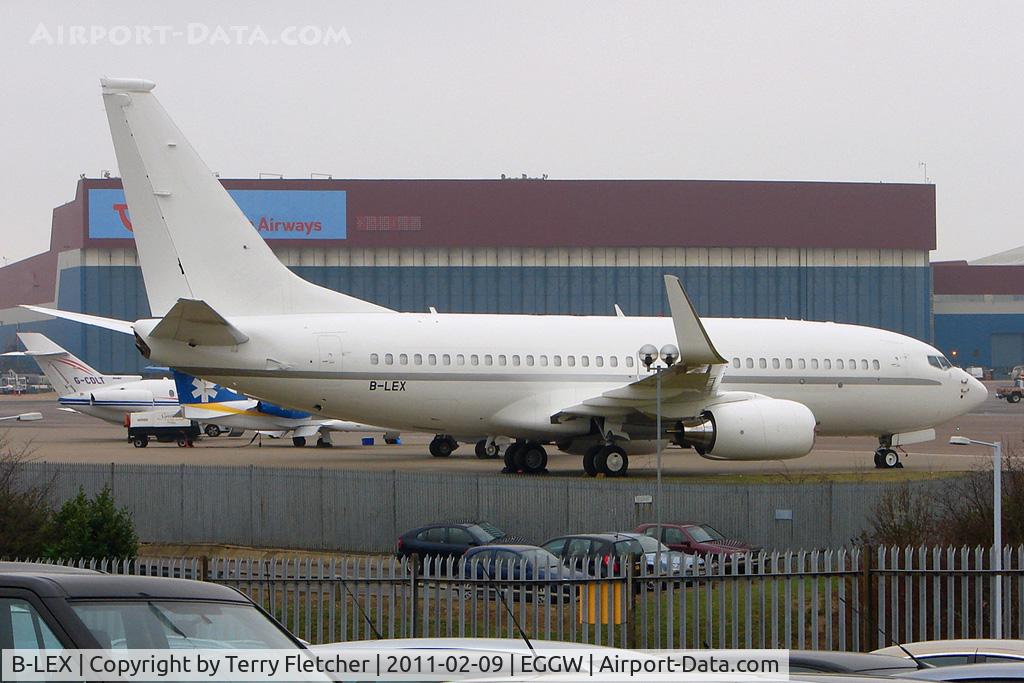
757 429
140 396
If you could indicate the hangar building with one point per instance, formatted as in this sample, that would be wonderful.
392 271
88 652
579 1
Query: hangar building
849 252
979 311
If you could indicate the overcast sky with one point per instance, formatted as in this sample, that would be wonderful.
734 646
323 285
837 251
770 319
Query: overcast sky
855 91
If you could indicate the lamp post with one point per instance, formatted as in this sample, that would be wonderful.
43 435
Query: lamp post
997 514
649 355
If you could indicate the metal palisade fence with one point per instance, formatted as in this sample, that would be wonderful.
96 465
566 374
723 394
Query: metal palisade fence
844 599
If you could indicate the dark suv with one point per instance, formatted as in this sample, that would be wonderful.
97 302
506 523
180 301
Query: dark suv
597 554
43 606
438 542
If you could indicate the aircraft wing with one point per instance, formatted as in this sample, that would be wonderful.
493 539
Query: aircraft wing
695 378
122 326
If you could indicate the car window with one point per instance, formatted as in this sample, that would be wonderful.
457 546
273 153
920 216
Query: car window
948 660
705 533
628 547
459 536
433 535
674 536
28 630
577 547
652 531
555 547
489 532
507 558
179 624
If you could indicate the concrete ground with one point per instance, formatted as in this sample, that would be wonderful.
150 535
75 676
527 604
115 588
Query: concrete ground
68 437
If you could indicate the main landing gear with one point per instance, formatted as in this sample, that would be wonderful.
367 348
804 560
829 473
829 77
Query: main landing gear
607 459
442 446
886 457
528 457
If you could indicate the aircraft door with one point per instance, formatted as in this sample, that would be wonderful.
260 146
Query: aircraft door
330 352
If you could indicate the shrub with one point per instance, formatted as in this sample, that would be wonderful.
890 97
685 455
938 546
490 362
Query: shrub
24 507
86 529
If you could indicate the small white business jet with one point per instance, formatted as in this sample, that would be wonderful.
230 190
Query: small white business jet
217 406
742 389
81 389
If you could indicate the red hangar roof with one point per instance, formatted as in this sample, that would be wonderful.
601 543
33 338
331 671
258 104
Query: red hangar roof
960 278
593 213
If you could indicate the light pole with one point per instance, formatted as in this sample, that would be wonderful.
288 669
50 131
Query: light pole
649 355
997 514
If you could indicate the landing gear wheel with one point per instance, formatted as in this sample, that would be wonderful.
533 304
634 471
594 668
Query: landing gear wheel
323 443
441 447
534 458
212 430
890 459
492 450
140 441
878 460
511 456
298 441
612 461
481 449
588 460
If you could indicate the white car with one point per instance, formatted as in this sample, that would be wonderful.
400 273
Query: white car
673 562
960 651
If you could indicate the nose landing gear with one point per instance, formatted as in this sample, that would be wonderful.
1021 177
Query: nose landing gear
442 446
887 458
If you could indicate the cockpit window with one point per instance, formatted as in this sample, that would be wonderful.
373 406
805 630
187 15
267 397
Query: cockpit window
939 362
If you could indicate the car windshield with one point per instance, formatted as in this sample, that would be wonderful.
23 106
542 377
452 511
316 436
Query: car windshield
651 544
179 625
540 558
705 533
486 532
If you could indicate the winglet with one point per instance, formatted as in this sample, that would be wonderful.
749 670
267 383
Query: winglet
695 347
195 322
618 312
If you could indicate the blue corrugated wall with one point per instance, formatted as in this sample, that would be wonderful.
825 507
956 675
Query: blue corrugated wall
896 298
970 335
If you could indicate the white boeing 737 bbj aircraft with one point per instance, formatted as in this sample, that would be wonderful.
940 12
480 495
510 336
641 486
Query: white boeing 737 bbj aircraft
743 389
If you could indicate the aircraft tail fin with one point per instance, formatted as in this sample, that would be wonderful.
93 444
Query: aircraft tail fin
67 373
192 390
193 240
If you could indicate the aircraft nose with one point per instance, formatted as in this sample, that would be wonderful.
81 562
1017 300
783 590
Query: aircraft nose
974 391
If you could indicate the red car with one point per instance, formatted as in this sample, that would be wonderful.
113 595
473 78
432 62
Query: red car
693 538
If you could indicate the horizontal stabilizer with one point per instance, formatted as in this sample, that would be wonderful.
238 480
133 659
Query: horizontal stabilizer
122 326
695 347
194 322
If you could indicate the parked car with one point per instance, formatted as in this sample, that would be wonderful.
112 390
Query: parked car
673 562
441 541
551 579
973 673
60 607
597 554
698 539
960 651
835 662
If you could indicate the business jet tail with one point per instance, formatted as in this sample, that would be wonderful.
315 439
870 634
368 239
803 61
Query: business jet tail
193 240
67 373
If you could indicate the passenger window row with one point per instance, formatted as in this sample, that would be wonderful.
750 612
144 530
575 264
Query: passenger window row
807 364
501 360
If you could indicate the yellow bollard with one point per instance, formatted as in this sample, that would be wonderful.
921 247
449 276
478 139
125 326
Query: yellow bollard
609 593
